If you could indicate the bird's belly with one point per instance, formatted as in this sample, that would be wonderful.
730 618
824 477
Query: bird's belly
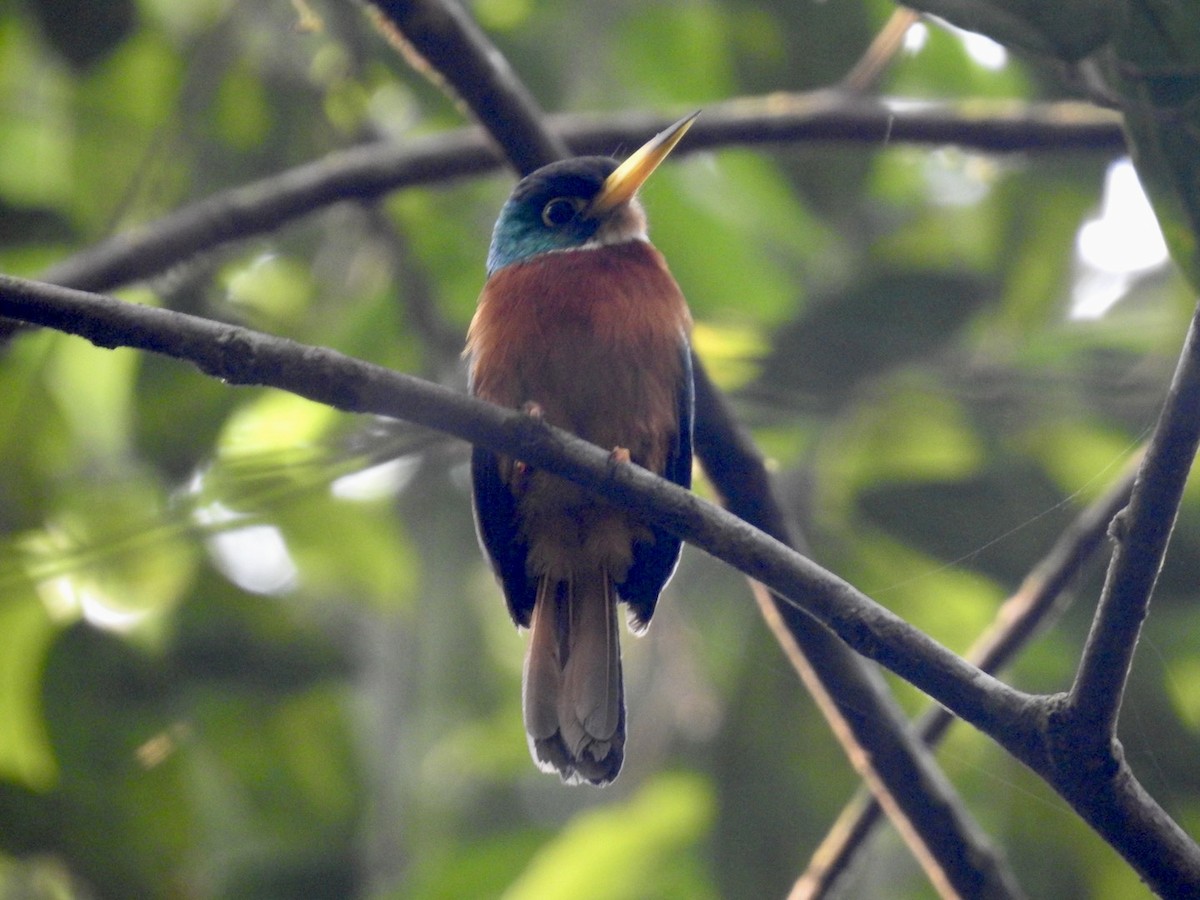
609 396
609 399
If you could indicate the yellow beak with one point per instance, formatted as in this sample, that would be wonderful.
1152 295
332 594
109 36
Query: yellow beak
624 182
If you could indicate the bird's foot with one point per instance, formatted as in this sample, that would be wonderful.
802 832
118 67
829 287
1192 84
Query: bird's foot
520 468
619 456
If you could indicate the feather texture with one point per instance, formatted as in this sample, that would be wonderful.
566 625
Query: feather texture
597 338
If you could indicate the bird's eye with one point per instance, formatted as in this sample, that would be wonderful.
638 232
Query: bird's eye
560 211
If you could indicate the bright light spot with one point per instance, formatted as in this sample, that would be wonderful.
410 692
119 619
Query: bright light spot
60 597
1126 237
68 596
214 513
378 482
108 617
983 50
915 38
255 558
958 179
1123 243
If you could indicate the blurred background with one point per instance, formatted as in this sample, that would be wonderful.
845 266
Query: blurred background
248 646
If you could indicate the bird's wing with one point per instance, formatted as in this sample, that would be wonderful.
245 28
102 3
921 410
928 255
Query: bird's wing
499 535
654 563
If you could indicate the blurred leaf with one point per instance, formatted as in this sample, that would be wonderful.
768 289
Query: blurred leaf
243 112
25 634
952 602
93 389
371 561
106 554
943 64
275 421
734 236
120 819
659 50
1159 57
1001 543
36 137
1067 30
877 324
121 168
730 352
908 436
629 850
271 290
230 642
84 32
1183 682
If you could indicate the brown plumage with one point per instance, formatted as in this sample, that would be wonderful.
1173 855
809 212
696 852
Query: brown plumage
580 323
561 332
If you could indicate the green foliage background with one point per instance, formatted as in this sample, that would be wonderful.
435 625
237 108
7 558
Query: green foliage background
247 645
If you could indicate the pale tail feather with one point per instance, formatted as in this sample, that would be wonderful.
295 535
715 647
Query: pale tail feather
573 696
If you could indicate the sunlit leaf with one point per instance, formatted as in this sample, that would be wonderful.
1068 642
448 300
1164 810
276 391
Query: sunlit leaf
630 850
25 634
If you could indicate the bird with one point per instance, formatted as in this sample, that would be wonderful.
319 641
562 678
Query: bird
581 324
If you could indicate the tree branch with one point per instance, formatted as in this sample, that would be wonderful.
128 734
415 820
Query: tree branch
856 703
241 356
1109 798
372 170
449 45
1141 533
1044 593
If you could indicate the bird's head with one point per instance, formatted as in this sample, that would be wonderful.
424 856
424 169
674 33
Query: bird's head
583 202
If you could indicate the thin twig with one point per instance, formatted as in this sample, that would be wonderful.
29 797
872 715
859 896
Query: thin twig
877 57
1141 533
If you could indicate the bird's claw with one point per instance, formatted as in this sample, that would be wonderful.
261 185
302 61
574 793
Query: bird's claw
619 456
520 468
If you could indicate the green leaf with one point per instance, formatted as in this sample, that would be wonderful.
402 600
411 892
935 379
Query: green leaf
630 850
1159 57
25 634
1069 29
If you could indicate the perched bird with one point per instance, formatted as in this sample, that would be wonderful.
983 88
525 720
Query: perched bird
581 324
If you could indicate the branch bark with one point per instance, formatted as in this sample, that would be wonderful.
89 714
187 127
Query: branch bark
1044 594
1141 533
1032 728
371 170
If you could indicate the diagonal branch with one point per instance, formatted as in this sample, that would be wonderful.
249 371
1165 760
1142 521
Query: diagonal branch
857 705
449 45
1109 798
1044 594
1141 533
242 356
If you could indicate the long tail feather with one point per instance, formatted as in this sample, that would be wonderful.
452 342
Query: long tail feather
573 694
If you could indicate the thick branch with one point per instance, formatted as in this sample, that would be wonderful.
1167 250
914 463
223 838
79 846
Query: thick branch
241 356
1110 799
449 41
